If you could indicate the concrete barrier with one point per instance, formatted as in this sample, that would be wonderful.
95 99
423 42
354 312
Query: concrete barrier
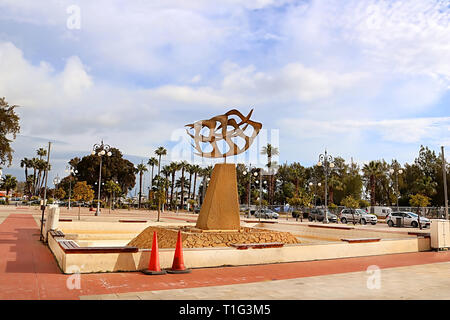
215 257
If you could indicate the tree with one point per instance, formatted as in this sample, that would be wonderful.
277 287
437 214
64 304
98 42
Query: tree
152 162
183 165
26 163
196 168
161 151
114 168
174 167
8 183
372 172
302 198
9 125
166 170
190 170
270 151
59 193
112 188
160 193
352 204
141 168
83 192
419 201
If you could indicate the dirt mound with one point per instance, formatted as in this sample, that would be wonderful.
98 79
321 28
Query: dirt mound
195 238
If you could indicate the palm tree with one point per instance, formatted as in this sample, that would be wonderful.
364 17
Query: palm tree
34 164
190 170
41 167
270 151
166 170
334 183
141 168
8 183
196 168
183 167
181 184
372 172
205 173
152 162
174 167
161 151
26 163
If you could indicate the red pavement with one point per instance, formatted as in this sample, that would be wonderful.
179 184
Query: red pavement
28 269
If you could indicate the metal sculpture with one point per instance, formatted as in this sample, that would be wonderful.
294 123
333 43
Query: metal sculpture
218 131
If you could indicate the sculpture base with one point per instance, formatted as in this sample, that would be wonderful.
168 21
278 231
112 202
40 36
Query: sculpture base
197 238
220 209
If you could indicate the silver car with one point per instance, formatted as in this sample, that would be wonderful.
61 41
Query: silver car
266 214
407 219
358 216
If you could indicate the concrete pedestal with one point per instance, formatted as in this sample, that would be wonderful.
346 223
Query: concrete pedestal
220 209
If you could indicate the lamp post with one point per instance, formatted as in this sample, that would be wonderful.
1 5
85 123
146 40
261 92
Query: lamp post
249 186
260 182
100 150
56 182
314 192
114 195
397 172
70 170
326 161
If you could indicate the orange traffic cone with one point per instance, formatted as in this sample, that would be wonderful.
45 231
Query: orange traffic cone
154 267
178 263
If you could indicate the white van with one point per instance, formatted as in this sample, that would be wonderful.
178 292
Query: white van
380 212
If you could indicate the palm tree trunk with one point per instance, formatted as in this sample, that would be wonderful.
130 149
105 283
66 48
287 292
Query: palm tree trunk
182 188
195 182
171 189
190 185
159 166
140 189
372 191
151 185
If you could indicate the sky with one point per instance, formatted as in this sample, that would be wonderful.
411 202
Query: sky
363 79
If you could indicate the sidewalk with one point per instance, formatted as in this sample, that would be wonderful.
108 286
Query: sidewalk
28 269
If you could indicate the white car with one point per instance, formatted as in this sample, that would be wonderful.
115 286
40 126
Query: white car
359 215
266 214
407 219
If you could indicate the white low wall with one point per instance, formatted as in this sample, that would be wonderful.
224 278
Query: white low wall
214 257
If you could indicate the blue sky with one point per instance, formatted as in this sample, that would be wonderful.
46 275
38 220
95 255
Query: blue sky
365 79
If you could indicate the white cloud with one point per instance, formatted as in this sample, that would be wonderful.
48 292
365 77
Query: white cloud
413 130
134 73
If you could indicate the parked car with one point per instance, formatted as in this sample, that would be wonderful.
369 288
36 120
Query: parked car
266 214
197 209
319 215
408 219
358 216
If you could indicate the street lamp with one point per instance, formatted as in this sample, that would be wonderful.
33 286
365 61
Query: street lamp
100 150
70 170
114 195
397 172
326 161
249 186
56 182
314 192
260 183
